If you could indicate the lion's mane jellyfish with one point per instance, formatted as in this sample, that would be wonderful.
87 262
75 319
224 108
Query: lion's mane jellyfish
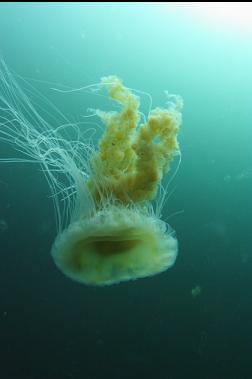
108 207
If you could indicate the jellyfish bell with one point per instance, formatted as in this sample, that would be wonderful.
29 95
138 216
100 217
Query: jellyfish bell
108 229
115 245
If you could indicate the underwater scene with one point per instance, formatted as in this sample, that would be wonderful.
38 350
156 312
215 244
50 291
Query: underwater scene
125 190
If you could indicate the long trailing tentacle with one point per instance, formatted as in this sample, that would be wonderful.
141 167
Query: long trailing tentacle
64 160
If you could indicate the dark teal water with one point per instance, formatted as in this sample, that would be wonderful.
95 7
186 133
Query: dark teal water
193 321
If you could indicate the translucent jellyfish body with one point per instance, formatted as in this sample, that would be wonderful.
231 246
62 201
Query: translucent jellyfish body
108 229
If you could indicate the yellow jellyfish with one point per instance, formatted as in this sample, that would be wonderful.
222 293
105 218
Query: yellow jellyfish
109 230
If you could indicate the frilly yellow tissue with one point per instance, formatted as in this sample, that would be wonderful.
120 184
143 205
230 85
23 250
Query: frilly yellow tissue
132 158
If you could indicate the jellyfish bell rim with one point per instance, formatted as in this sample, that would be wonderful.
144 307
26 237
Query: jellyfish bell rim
116 244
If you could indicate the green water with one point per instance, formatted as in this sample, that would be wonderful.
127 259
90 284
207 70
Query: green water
195 319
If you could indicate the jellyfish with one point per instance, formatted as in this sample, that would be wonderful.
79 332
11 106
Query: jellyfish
196 291
108 197
3 225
